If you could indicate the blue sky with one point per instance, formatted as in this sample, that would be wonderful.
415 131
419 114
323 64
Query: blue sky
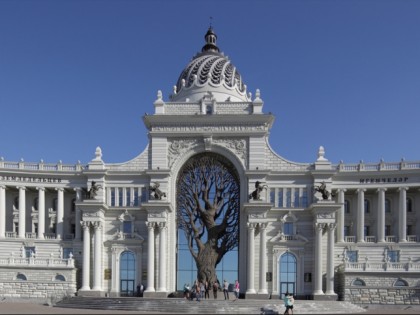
75 75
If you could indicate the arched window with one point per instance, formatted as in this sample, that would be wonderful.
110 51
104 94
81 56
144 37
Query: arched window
21 276
358 282
59 278
387 206
288 272
367 206
127 273
346 206
409 205
400 283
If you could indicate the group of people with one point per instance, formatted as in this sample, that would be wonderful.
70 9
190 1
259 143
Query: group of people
201 290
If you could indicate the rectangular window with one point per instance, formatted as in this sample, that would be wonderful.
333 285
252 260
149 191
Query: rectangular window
127 197
296 198
288 228
393 256
29 251
136 197
143 194
304 198
66 253
120 197
288 197
272 195
280 197
351 255
112 197
127 227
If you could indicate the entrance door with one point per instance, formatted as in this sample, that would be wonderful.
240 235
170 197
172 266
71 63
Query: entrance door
287 269
127 288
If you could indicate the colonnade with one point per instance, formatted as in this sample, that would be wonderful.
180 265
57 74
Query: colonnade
162 228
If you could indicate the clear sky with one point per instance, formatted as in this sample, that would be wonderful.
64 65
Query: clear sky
75 75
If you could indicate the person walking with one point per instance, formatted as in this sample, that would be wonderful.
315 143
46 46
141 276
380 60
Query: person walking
215 289
236 290
206 290
226 289
288 303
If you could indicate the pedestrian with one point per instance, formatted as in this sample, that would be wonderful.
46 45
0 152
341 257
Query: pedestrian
187 291
198 291
215 288
236 290
288 303
206 290
226 289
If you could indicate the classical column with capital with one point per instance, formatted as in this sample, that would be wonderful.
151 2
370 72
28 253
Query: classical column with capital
150 257
41 212
263 258
381 214
60 214
402 217
162 257
97 283
250 258
360 228
2 211
340 216
86 256
22 212
318 259
330 260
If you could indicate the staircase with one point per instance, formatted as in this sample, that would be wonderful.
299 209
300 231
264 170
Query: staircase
209 306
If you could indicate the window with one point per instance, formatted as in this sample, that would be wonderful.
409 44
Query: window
367 206
393 256
143 194
351 255
346 230
409 205
59 278
272 195
112 197
387 206
55 204
209 109
67 252
400 283
136 198
29 251
280 197
288 197
296 199
120 197
358 282
288 228
35 204
304 198
127 197
127 227
346 206
21 276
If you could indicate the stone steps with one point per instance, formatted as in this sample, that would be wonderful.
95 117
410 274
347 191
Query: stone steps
178 306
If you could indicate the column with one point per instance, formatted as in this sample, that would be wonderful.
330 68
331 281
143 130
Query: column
86 255
340 216
251 230
114 271
402 217
97 259
22 212
360 228
60 214
78 214
2 211
150 257
263 258
162 257
41 212
330 260
318 259
381 215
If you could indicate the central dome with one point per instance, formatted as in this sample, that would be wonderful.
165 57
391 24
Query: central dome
210 71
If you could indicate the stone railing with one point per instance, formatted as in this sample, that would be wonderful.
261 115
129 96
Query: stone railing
381 266
388 239
381 166
41 166
38 262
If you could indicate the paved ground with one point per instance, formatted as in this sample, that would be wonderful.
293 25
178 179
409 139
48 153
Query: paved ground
32 308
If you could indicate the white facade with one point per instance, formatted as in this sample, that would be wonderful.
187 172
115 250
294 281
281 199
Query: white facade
364 236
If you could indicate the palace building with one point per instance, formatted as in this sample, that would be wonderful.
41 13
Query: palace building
320 230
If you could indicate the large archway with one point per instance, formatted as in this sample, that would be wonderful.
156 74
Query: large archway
208 212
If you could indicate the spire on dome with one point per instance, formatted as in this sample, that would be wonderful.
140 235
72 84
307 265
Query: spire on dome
211 38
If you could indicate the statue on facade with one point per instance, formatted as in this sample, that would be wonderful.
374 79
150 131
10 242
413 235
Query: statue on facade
256 194
157 193
93 191
323 190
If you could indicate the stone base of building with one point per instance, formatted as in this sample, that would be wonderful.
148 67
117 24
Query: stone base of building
257 296
325 297
155 294
91 293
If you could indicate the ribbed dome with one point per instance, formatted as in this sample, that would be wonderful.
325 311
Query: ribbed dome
210 71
